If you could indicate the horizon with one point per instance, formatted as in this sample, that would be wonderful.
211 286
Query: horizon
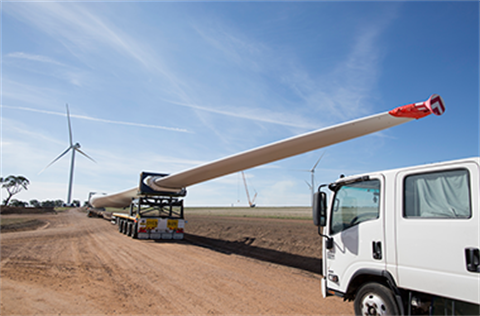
163 87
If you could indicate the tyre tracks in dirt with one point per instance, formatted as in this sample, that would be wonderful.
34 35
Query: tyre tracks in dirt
79 265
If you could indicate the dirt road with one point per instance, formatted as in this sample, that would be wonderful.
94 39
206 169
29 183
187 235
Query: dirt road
79 265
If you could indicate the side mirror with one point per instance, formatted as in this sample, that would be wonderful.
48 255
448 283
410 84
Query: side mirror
320 209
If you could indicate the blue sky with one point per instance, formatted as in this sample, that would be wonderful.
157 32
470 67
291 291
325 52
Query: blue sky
165 86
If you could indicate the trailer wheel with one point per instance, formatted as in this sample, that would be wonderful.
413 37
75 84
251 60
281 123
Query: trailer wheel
129 228
123 226
119 223
134 232
375 299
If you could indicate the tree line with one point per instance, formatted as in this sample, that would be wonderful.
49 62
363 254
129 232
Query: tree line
41 204
15 184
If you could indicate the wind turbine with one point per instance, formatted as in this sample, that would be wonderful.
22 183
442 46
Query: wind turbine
74 148
312 171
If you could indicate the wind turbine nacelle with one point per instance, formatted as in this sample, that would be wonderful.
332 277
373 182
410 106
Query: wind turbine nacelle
147 186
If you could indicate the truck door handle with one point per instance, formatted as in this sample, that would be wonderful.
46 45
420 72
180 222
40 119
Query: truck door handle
472 258
377 250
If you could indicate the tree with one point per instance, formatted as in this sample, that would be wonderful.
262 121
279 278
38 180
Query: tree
13 185
35 203
47 203
17 203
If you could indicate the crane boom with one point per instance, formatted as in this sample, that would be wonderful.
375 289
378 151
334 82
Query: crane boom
250 202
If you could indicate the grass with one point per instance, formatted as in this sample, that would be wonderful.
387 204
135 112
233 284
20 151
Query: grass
299 212
262 212
11 221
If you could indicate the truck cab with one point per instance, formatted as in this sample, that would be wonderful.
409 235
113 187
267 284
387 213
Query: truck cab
403 241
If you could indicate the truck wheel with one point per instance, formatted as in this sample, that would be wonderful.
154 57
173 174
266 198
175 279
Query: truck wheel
129 229
134 232
119 225
375 299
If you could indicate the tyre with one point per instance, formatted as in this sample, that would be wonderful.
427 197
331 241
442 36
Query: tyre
375 299
129 229
119 223
134 233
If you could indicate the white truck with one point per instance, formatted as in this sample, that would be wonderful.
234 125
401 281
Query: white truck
153 214
404 241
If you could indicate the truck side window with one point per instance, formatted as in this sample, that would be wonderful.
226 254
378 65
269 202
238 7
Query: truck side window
355 203
444 194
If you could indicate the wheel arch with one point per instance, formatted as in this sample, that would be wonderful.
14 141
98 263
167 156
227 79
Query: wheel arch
383 277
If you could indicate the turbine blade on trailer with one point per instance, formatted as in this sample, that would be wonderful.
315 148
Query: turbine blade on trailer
54 160
283 149
85 155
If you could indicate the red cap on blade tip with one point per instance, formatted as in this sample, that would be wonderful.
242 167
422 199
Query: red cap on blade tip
434 104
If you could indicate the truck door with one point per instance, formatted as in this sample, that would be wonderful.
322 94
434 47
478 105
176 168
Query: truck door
437 236
357 230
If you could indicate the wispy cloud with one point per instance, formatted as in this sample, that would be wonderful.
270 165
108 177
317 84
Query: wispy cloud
37 58
260 115
89 118
235 46
348 90
85 33
81 31
345 91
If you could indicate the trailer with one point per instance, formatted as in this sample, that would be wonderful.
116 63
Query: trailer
403 241
153 214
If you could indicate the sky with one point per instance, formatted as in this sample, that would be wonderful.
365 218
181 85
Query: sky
166 86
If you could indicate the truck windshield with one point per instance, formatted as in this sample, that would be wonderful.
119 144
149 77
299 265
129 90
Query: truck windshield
355 203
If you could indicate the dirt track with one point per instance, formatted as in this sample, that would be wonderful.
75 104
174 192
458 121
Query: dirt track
79 265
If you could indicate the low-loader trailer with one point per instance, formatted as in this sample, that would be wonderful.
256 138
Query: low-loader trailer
152 214
404 241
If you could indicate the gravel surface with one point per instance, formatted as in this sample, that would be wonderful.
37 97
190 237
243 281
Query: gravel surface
225 266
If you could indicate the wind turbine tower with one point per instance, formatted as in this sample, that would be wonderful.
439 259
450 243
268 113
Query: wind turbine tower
74 148
312 172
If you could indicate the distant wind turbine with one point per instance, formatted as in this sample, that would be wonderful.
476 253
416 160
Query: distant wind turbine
73 147
312 171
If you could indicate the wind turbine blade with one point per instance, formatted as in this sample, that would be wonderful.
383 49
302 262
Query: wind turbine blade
315 166
55 160
283 149
85 155
69 126
309 185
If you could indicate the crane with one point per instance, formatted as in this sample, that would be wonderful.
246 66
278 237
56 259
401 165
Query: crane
250 202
